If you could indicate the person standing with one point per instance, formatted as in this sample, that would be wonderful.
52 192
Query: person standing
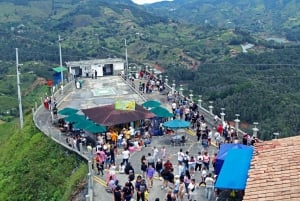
180 156
150 160
141 188
127 192
206 160
192 190
117 194
163 153
155 154
181 190
125 156
209 181
99 164
150 175
143 166
95 74
159 168
199 161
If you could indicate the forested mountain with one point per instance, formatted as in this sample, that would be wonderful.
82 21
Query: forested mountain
98 28
261 84
276 17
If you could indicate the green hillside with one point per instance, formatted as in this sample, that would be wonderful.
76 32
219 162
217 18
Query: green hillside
97 29
262 17
33 167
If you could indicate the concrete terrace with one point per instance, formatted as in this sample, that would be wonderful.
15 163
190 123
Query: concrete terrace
102 91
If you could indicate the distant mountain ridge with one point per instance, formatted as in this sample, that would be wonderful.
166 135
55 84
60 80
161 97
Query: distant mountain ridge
280 17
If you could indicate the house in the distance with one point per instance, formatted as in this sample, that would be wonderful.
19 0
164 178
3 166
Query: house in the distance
103 67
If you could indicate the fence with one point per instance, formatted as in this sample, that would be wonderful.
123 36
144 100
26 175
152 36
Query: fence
43 120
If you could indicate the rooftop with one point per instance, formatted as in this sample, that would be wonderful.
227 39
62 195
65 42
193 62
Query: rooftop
274 172
95 62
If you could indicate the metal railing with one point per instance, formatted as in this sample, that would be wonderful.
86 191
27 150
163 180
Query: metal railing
48 129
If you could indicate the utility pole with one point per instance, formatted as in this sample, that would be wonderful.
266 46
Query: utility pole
19 90
126 56
60 61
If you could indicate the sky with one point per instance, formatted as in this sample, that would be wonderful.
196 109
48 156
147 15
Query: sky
140 2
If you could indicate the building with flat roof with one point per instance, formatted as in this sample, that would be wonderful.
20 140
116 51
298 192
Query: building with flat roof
99 67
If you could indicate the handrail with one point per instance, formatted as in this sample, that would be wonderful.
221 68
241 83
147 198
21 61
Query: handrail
57 136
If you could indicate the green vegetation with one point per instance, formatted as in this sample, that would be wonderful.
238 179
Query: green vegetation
206 57
33 167
256 16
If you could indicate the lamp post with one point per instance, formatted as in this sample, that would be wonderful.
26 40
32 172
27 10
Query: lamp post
166 79
191 96
181 90
211 107
173 87
126 58
237 121
255 129
200 101
60 61
222 115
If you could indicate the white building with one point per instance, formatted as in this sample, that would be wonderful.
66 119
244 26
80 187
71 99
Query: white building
103 67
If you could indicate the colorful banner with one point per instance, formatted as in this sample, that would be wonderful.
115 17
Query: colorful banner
124 105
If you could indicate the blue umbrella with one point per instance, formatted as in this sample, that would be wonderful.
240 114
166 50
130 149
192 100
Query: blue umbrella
176 124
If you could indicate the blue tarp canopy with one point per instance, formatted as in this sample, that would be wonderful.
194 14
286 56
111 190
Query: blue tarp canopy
222 154
234 172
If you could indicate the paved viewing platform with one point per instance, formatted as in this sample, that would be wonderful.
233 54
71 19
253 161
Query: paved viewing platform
103 91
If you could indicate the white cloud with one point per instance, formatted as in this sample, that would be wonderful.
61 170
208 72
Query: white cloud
140 2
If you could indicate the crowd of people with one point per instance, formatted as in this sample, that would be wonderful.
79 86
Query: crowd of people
181 180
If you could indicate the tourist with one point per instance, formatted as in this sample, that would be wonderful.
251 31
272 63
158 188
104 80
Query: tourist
192 190
187 179
159 168
203 176
150 160
209 181
206 160
163 153
199 161
155 153
150 175
99 164
143 166
127 192
180 169
176 186
125 156
192 165
128 167
169 196
141 187
181 190
117 194
180 156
